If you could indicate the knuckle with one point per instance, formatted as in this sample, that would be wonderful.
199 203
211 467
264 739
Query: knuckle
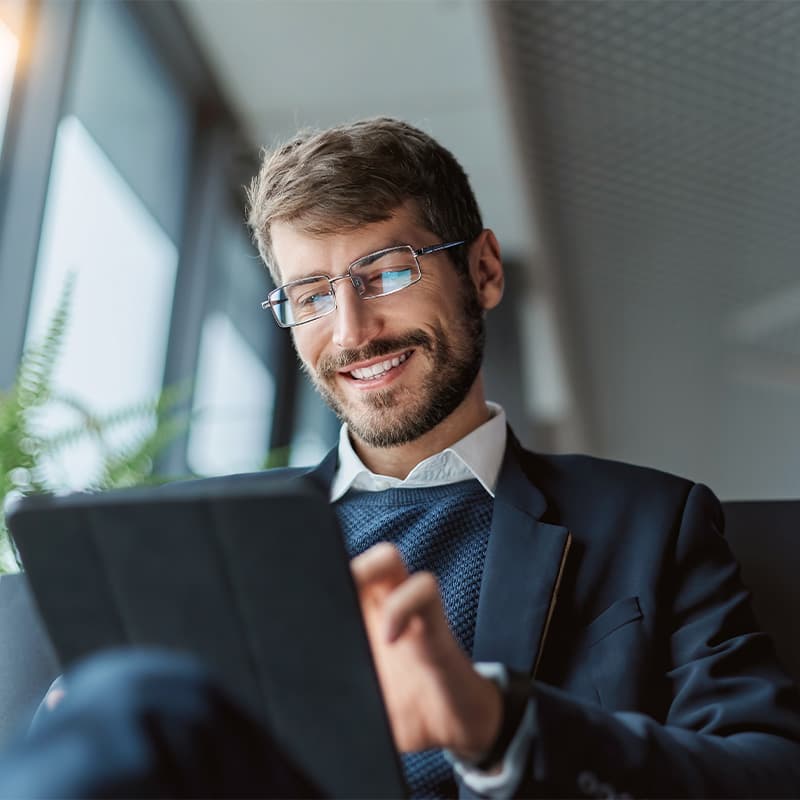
392 552
429 585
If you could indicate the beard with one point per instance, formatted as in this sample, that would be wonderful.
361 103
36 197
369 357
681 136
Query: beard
396 416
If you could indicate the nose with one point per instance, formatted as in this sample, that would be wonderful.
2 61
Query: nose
354 323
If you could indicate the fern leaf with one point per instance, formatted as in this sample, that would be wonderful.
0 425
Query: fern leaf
38 363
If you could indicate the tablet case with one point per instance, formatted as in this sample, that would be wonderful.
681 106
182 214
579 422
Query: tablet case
253 578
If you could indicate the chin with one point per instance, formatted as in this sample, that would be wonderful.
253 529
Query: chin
389 426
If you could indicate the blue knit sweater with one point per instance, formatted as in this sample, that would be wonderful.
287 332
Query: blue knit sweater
442 529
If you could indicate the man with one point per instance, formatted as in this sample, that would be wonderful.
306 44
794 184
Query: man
615 648
608 588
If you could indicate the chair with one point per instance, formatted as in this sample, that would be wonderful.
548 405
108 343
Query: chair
765 538
28 664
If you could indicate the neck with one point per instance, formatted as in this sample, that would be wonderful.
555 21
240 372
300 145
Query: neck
398 461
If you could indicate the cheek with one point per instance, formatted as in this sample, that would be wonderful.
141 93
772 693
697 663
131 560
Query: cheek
306 346
430 291
428 303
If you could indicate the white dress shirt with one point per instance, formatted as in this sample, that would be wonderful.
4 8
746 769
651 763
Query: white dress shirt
478 455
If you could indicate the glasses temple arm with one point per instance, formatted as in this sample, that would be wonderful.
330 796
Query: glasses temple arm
435 248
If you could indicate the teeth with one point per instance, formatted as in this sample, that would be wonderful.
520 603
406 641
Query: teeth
367 373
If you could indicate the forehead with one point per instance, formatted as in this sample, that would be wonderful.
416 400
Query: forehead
299 253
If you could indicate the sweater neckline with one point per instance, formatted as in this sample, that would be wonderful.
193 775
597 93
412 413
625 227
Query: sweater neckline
416 495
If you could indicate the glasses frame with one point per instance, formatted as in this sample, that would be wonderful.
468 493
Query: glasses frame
272 298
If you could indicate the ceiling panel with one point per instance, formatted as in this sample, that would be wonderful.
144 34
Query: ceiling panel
665 138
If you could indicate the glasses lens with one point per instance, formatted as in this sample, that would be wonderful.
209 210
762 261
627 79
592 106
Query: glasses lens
384 273
302 301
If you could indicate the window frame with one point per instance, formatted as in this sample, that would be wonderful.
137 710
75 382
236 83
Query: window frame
35 110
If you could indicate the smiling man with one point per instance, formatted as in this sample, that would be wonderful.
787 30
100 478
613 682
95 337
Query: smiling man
614 648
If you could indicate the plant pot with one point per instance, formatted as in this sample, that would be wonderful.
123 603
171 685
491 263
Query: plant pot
28 664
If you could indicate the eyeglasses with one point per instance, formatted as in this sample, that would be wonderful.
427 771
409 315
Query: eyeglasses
375 275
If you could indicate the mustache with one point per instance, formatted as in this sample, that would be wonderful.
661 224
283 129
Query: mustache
330 365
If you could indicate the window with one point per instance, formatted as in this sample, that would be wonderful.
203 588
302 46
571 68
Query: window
113 219
233 402
118 114
124 266
235 390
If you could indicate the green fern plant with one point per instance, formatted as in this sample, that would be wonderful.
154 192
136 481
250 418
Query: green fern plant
24 451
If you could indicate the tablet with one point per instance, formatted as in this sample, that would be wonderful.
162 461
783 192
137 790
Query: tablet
250 575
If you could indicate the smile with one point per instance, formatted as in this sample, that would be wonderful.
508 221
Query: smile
375 371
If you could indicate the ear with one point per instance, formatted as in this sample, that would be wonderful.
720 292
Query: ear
486 269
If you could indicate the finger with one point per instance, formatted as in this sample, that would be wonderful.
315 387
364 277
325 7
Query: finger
382 563
416 597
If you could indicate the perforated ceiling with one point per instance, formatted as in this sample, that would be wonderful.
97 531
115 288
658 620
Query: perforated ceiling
666 139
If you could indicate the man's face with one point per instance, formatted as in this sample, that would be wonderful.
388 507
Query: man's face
391 367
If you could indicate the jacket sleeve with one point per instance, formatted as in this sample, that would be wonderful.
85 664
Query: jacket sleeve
732 728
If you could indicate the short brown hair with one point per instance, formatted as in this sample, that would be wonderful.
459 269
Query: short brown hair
358 173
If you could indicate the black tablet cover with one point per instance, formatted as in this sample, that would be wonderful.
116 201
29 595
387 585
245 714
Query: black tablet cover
251 576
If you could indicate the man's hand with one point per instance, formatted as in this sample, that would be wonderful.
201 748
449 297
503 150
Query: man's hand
433 695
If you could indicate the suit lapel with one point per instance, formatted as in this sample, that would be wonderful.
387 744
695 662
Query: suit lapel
322 474
524 563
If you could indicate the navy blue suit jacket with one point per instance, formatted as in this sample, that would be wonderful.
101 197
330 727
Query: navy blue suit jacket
613 588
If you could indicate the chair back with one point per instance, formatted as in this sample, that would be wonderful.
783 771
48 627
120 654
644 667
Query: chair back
765 538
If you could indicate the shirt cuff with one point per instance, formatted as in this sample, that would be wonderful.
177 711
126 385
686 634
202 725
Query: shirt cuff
503 783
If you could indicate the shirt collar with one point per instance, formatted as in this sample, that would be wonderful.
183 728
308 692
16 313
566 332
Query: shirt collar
478 455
